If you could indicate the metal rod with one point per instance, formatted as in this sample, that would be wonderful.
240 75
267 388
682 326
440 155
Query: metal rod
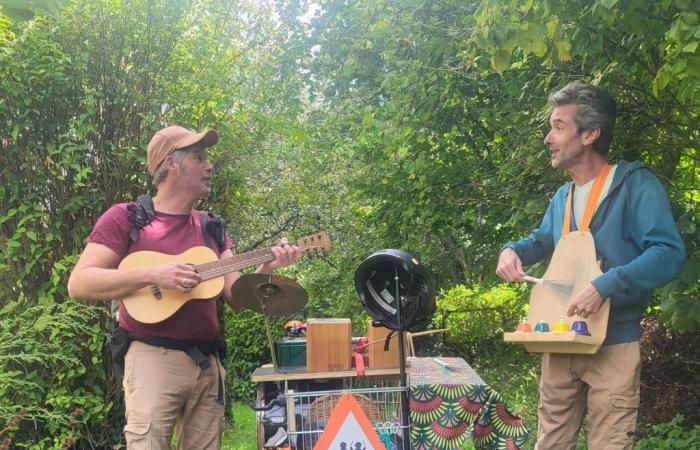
263 304
405 413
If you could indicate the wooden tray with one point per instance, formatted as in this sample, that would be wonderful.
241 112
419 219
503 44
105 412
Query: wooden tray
573 259
555 342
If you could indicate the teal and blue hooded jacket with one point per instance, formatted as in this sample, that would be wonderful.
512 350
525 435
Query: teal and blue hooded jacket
636 240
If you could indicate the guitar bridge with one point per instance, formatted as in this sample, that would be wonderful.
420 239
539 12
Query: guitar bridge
155 290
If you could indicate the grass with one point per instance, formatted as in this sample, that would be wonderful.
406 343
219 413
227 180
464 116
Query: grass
241 435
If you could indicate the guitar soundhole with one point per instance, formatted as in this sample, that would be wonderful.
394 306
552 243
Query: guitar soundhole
155 290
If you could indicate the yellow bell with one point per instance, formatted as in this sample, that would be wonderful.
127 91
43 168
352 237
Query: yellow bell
562 325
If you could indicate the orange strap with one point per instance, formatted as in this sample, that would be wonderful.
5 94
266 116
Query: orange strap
591 202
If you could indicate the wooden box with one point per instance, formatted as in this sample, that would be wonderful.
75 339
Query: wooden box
574 260
328 345
377 357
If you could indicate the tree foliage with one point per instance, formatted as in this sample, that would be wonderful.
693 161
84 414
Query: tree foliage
443 108
80 95
415 125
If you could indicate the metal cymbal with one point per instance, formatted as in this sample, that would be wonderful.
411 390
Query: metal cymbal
269 294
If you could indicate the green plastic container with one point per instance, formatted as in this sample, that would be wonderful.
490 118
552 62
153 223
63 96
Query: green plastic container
291 352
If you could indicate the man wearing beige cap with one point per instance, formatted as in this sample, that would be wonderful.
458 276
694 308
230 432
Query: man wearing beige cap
173 377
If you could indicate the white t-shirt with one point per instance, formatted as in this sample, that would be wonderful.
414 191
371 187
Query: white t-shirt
581 195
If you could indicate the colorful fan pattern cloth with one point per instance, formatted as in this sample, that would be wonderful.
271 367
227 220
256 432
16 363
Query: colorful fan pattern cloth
452 404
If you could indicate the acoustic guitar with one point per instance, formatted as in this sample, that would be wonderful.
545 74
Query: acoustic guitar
152 304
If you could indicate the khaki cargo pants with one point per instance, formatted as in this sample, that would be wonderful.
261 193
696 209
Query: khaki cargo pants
166 394
605 384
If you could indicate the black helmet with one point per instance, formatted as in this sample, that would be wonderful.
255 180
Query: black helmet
375 284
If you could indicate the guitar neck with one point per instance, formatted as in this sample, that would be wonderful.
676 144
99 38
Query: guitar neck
234 263
315 243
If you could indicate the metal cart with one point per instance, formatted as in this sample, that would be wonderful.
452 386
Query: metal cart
309 399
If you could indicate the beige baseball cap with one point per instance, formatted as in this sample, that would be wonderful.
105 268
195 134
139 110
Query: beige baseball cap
174 138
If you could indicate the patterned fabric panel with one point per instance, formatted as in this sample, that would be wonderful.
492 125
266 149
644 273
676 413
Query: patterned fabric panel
449 408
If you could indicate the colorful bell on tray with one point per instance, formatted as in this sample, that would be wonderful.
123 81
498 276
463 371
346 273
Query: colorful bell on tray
561 326
524 326
541 326
580 327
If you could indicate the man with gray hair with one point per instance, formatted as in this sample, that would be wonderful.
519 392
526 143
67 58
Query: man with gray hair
639 248
173 376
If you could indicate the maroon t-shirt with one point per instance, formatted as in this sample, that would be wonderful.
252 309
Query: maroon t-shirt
171 234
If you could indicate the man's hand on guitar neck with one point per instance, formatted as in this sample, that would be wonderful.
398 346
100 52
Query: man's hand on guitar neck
285 255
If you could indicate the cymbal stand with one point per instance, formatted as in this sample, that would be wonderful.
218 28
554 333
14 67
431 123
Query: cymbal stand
268 290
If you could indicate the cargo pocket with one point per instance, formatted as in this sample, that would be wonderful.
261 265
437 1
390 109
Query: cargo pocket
623 418
136 434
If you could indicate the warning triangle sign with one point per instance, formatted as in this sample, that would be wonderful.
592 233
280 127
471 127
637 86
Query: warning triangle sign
349 429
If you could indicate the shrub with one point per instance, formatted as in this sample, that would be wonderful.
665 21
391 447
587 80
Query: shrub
247 349
476 318
671 435
670 384
52 383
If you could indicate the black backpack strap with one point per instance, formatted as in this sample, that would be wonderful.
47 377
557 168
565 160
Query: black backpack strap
140 213
213 228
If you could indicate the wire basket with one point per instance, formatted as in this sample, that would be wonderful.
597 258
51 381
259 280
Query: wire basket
309 412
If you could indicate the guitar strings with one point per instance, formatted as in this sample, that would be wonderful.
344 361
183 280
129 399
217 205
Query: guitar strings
234 260
220 267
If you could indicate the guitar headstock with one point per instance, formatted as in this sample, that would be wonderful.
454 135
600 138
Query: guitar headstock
318 242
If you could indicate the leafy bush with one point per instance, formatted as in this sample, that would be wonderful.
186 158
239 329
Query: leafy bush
476 317
53 387
671 435
247 349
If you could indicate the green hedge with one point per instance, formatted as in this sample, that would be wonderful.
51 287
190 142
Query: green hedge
54 389
476 317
